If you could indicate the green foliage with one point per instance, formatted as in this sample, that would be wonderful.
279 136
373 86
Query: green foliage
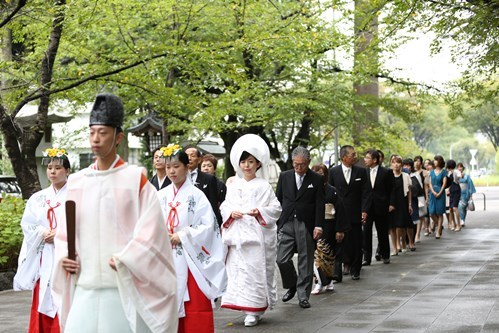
469 27
479 111
11 235
230 67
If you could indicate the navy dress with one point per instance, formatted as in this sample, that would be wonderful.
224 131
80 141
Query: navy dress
399 218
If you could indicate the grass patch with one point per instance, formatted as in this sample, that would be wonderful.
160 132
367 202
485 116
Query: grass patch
487 180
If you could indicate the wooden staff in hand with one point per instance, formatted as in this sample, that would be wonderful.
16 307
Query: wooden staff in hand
70 264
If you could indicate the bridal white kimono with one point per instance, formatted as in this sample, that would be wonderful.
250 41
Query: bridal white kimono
36 258
251 244
117 216
188 213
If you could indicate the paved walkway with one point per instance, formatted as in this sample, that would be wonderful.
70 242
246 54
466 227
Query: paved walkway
446 285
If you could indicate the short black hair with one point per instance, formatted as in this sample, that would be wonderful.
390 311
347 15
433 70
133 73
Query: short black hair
451 164
245 155
374 155
410 163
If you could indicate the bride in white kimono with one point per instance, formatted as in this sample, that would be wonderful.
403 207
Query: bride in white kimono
196 243
44 211
250 212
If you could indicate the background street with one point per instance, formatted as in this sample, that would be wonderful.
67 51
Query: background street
446 285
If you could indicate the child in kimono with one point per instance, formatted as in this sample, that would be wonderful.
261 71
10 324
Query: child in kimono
249 231
44 210
196 243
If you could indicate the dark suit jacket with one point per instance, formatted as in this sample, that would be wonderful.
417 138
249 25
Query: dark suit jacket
154 181
221 191
330 194
353 198
307 203
208 184
380 193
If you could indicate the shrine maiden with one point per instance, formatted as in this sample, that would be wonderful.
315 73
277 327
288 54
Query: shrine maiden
196 244
43 213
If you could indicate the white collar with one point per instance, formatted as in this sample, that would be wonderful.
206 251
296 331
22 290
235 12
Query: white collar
345 168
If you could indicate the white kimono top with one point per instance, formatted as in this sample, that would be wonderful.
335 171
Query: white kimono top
251 244
44 211
118 215
188 213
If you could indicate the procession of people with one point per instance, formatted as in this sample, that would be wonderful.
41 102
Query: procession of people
159 255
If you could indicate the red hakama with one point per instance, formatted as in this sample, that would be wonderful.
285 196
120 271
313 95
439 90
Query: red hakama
39 322
198 311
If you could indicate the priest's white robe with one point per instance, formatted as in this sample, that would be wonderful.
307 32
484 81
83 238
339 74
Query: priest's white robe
251 245
201 249
36 258
117 216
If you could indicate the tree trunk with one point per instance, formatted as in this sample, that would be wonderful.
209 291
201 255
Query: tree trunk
22 148
229 137
365 54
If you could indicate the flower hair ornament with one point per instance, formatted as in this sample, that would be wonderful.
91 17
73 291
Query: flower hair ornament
174 152
170 151
54 155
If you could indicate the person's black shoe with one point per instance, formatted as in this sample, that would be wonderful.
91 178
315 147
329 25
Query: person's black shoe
377 257
304 304
366 263
337 278
289 295
386 260
355 276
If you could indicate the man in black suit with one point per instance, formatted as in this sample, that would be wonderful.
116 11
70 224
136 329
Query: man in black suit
380 180
301 194
350 181
160 179
205 182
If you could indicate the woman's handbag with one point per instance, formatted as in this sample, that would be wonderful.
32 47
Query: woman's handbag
471 205
423 210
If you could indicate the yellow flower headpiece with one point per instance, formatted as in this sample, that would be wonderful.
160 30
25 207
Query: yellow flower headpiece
170 150
54 152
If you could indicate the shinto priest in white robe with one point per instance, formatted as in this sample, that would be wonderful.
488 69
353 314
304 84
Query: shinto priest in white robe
188 213
251 242
117 216
36 258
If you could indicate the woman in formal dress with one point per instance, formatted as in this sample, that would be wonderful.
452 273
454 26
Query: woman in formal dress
418 200
454 177
422 207
249 213
400 208
327 246
467 190
196 242
44 210
436 197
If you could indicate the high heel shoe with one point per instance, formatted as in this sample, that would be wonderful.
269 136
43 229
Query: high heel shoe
438 235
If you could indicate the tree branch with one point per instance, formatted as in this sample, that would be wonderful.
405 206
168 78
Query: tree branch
336 69
36 96
9 17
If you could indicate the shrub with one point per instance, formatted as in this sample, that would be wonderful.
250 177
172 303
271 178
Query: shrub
11 234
